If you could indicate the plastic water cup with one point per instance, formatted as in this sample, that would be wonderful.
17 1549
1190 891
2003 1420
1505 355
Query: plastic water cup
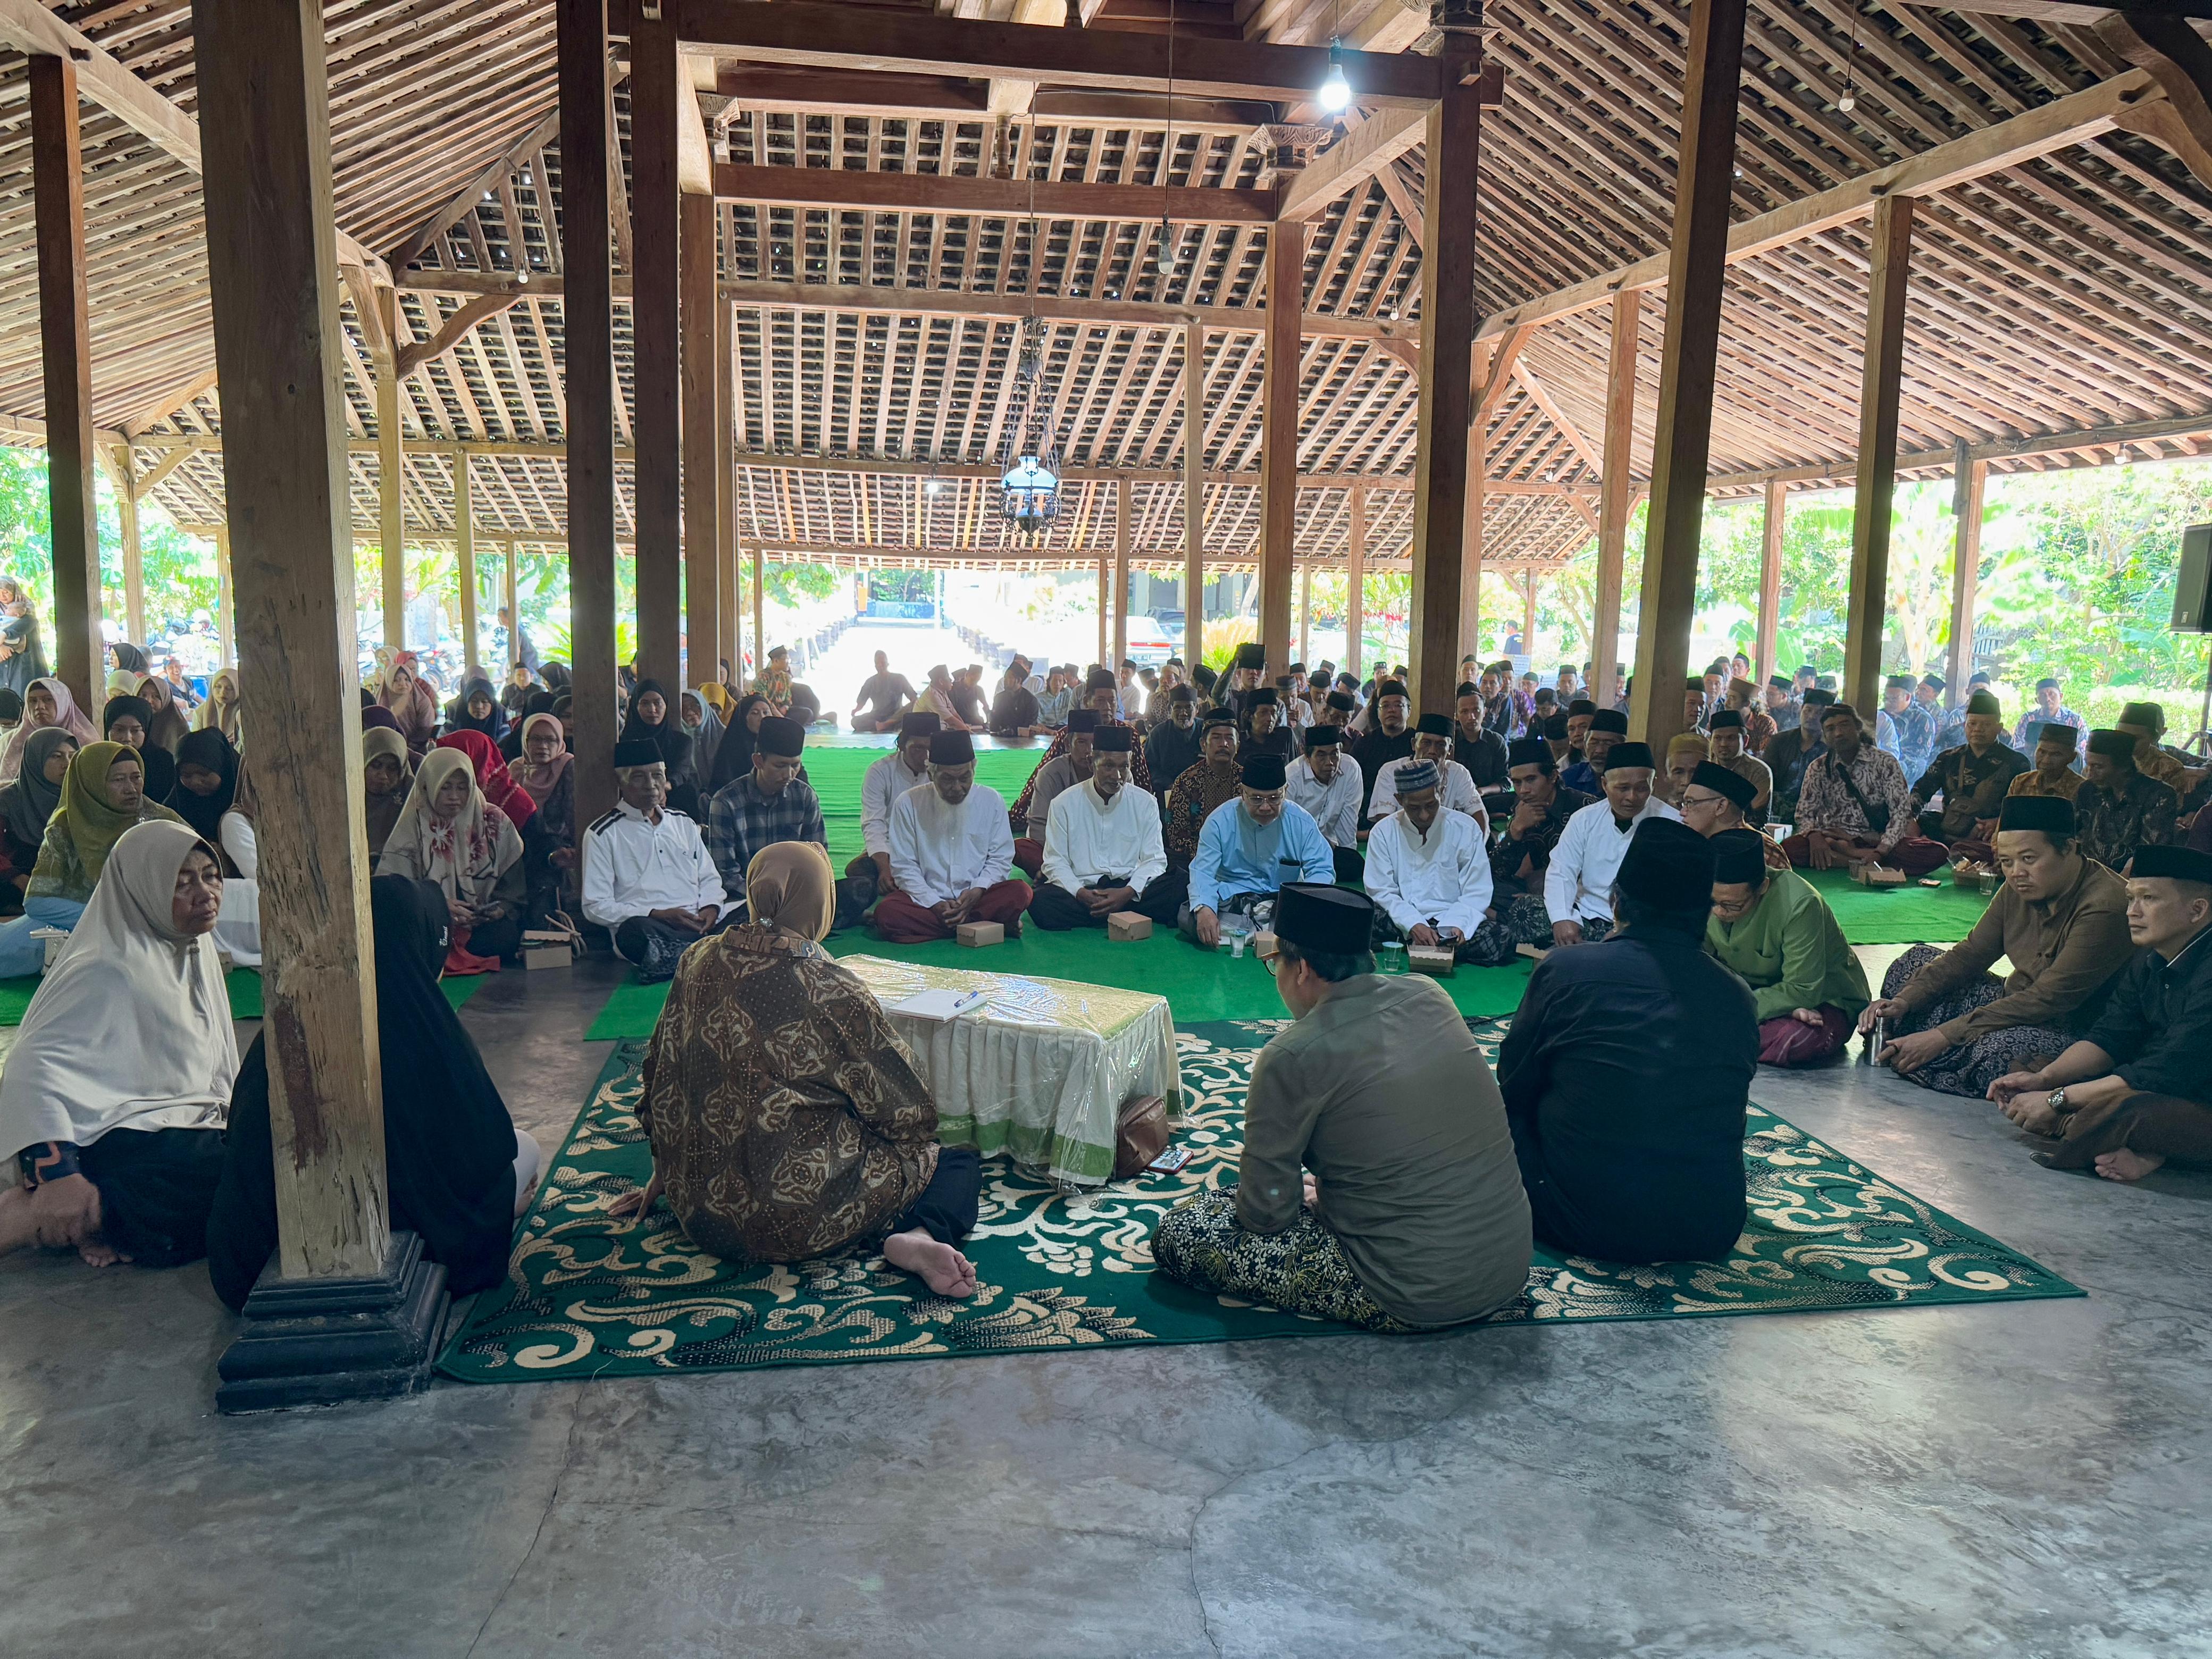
1390 958
1236 947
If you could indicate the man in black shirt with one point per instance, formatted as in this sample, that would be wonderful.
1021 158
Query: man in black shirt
2134 1091
1171 748
1388 737
966 691
1628 1070
1789 753
1474 746
1265 733
888 696
1014 712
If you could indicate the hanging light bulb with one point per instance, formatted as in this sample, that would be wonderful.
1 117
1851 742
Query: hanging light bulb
1335 93
1847 103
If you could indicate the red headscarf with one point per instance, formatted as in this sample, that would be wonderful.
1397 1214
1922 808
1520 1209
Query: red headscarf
490 768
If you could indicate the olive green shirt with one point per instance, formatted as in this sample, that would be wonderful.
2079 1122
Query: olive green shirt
1382 1094
1790 950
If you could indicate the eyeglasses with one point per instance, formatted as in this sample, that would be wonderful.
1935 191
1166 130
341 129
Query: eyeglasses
1270 958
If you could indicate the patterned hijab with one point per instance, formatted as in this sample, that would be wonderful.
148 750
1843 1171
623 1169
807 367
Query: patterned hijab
465 855
67 716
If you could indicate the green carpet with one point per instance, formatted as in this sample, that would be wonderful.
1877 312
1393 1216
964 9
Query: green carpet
1911 914
1198 985
244 984
836 771
589 1297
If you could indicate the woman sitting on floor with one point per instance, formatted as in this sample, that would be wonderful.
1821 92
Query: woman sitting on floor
540 883
102 795
29 802
219 712
448 833
114 1093
126 720
2062 918
45 703
652 720
388 777
546 774
787 1120
457 1169
168 728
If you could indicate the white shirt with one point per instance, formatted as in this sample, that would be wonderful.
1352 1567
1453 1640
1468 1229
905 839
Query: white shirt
1085 838
1460 794
1334 804
1441 877
881 788
939 852
1132 697
1579 883
633 867
239 841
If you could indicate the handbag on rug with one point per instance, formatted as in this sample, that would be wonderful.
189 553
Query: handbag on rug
1141 1133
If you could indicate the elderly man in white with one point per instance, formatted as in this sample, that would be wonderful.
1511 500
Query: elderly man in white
1428 867
1327 781
952 849
1102 844
906 767
1433 740
1578 886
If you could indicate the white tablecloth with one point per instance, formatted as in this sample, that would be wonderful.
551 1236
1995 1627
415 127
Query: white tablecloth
1041 1070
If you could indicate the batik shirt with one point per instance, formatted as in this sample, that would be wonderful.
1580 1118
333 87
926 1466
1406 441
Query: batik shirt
1973 785
2115 822
1826 804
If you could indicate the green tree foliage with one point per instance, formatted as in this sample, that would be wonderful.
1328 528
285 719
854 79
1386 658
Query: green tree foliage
180 569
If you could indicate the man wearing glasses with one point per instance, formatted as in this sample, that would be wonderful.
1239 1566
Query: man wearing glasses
1773 927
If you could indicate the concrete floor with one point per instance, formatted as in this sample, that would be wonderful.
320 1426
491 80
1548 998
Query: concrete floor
2024 1479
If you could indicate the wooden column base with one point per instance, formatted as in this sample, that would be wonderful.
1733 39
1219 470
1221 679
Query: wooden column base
315 1342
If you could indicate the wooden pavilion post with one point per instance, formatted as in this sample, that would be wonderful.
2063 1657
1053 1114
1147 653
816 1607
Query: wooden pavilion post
1193 493
465 559
1278 436
226 600
702 469
760 624
1121 493
125 475
350 1309
390 463
1105 598
725 488
1617 467
1866 604
1972 480
1478 508
1355 580
656 345
1305 610
1697 270
1441 491
511 588
65 353
587 316
1770 578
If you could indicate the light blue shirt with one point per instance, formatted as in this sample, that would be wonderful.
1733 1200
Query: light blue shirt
1235 855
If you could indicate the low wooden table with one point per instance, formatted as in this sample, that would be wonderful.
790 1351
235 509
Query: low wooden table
1041 1070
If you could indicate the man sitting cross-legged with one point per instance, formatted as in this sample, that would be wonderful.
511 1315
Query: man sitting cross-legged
1062 772
1205 786
1728 749
1428 868
1578 882
1628 1070
2119 811
1377 1185
2055 756
2060 916
769 804
950 851
905 768
1973 778
1326 781
1856 807
1433 740
2136 1091
1102 847
1608 727
1776 931
1718 798
1249 847
1542 807
647 877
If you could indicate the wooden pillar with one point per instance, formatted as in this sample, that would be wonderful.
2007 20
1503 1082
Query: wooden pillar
656 382
702 464
1279 436
265 126
1193 493
1697 270
727 585
1614 489
511 588
760 626
134 551
65 354
588 317
464 557
391 466
1440 470
1305 610
1770 578
1105 600
1528 615
1973 478
1355 581
225 598
1867 605
1470 570
1122 490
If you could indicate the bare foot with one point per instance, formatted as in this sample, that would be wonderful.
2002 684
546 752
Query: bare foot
98 1255
2124 1166
18 1226
2032 1113
941 1266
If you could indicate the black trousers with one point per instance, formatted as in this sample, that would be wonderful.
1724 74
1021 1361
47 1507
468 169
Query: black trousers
501 939
1055 910
1164 894
156 1188
946 1208
1351 865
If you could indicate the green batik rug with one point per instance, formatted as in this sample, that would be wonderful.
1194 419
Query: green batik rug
587 1297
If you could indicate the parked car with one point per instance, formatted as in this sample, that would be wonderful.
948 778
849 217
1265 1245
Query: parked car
1171 622
1149 644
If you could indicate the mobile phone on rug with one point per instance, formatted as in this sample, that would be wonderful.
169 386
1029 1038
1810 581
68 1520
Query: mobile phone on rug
1170 1161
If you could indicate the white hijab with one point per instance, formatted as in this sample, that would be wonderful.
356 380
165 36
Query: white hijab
131 1028
466 855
